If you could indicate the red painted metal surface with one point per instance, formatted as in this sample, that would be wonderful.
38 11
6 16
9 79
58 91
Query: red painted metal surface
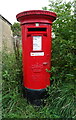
36 47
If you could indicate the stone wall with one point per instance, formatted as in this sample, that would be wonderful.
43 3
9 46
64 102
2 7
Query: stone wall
6 37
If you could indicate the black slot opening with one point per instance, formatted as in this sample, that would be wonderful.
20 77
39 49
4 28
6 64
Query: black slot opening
36 29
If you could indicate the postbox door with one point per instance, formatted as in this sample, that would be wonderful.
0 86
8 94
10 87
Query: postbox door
37 61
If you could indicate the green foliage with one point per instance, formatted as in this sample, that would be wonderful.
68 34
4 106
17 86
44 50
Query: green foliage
11 77
62 99
64 44
16 29
62 91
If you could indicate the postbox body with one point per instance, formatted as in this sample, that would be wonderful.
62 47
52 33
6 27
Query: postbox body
36 28
36 56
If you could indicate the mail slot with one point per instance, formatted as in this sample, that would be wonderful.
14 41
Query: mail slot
36 28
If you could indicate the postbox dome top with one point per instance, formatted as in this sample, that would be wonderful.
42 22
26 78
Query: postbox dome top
36 16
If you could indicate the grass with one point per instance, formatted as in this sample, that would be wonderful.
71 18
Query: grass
59 104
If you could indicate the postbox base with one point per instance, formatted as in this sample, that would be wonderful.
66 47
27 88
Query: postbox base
35 97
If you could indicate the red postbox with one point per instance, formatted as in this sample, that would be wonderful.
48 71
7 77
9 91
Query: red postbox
36 28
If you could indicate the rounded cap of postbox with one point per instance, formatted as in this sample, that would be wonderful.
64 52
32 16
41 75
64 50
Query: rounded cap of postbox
31 16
